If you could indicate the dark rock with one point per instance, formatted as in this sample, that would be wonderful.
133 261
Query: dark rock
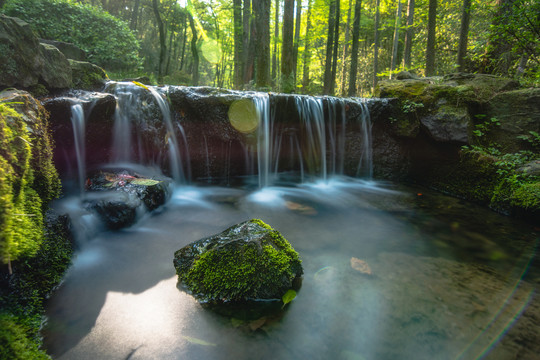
69 50
249 261
118 196
448 124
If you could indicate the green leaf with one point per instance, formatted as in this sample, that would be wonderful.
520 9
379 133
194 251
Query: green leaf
288 297
144 182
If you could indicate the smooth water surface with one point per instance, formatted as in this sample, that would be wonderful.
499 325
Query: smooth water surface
449 280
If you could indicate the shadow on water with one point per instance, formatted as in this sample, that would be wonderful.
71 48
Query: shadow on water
448 280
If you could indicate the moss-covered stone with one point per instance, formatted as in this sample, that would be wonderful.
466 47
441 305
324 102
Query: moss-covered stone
248 261
87 76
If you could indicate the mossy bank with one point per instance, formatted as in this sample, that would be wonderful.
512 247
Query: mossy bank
35 245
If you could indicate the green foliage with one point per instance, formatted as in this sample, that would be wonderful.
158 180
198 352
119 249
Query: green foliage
484 127
289 296
107 40
533 138
410 106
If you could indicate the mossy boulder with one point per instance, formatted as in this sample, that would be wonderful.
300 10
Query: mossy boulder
26 63
248 261
87 76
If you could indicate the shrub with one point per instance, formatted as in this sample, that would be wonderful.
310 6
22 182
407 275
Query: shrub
107 40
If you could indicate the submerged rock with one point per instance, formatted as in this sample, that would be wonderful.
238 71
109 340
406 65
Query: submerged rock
248 261
118 197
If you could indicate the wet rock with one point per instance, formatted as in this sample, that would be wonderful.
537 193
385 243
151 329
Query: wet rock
448 124
119 196
249 261
56 72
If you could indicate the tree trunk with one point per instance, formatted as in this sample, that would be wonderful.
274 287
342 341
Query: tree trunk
395 43
170 52
195 54
463 34
184 41
354 52
496 59
376 45
287 49
345 51
238 44
261 8
430 47
327 85
249 42
275 51
134 15
297 37
307 55
162 45
336 46
409 35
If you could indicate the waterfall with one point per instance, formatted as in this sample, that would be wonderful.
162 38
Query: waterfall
78 124
264 137
365 166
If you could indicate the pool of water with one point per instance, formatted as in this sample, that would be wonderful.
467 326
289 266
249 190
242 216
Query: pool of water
449 280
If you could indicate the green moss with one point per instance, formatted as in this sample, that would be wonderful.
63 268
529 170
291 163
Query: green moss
14 341
527 196
243 270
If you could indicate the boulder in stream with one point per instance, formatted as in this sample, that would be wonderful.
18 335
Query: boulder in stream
247 262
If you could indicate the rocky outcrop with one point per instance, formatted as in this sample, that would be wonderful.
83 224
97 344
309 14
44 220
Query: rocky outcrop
69 50
249 261
24 62
87 76
464 134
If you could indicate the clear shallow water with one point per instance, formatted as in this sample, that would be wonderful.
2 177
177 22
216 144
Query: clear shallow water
449 280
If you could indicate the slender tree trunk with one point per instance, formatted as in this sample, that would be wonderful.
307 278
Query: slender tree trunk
327 85
249 42
464 34
163 47
134 15
275 51
170 52
395 43
297 37
238 44
345 51
261 9
287 48
184 41
354 52
376 45
430 47
409 34
194 52
307 51
336 47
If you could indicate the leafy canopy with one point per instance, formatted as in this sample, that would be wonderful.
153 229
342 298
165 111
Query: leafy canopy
107 40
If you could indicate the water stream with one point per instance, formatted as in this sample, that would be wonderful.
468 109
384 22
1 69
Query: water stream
448 279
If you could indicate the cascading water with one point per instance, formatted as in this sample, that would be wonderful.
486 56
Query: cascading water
130 105
78 124
365 166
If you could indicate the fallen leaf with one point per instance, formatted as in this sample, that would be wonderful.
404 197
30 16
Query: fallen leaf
360 265
288 297
197 341
144 182
141 85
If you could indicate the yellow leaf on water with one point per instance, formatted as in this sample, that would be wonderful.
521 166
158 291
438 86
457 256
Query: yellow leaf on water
360 265
141 85
197 341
